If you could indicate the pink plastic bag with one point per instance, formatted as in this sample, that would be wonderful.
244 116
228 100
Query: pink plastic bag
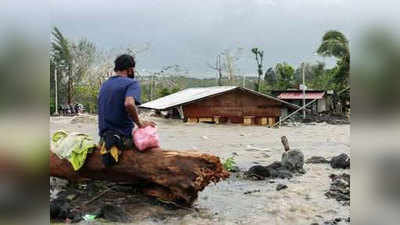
145 138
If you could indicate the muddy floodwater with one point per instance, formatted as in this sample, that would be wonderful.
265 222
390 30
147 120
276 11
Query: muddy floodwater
303 202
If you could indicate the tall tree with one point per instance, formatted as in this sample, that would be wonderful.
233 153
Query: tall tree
83 56
285 76
270 76
229 59
72 59
335 44
259 58
218 68
63 58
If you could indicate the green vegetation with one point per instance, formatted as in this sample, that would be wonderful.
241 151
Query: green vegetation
335 44
229 163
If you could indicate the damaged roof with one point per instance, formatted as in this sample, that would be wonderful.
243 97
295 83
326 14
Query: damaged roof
299 95
194 94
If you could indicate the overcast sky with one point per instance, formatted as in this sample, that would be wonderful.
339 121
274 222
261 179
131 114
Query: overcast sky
191 32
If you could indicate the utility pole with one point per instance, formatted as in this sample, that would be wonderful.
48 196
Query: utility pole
244 80
304 93
55 90
218 67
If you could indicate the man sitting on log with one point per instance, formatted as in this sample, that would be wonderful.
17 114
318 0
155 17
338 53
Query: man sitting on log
117 102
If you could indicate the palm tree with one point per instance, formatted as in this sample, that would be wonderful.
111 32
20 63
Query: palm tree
335 44
61 55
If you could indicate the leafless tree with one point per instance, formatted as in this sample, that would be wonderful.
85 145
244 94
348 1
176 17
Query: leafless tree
218 68
259 58
229 59
226 62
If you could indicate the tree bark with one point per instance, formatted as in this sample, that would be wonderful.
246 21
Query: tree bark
168 175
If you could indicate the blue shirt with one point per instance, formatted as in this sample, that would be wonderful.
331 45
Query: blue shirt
112 113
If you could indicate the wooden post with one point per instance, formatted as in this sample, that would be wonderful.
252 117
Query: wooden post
285 143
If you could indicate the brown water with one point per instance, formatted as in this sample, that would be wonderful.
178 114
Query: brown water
303 202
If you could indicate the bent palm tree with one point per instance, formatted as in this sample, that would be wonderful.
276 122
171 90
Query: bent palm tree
335 44
62 56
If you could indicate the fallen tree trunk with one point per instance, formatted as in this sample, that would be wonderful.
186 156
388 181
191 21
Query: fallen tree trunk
168 175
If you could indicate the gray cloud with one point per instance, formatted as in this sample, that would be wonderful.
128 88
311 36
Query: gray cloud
190 33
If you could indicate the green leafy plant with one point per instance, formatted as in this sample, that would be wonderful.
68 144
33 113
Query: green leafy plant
229 163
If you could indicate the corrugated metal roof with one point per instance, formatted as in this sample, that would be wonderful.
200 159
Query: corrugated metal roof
193 94
185 96
299 95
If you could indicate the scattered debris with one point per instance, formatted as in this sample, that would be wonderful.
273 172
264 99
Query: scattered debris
281 187
252 191
335 221
332 119
328 118
89 217
340 188
317 160
114 214
341 161
60 209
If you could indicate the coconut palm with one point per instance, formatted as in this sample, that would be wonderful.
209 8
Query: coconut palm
335 44
61 55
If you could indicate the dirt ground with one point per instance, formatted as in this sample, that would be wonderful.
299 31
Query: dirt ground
303 202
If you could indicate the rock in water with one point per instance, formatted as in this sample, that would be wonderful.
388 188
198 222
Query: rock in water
258 171
114 214
317 160
341 161
293 160
340 188
281 187
275 165
283 173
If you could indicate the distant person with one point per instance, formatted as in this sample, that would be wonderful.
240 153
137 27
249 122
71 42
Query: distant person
117 110
68 110
76 107
60 110
71 107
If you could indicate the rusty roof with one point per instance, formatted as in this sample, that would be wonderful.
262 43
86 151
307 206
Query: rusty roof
299 95
194 94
